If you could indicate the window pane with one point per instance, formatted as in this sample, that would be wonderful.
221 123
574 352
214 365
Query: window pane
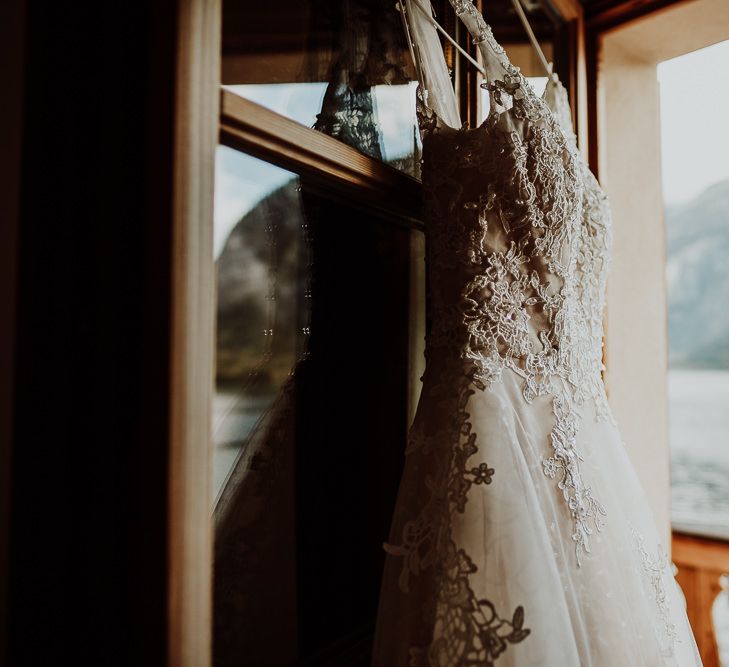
261 263
313 386
696 199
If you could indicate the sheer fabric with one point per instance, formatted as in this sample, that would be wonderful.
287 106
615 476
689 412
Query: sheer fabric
521 534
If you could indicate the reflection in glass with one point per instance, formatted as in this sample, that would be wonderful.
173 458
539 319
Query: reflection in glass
261 261
340 67
314 360
385 126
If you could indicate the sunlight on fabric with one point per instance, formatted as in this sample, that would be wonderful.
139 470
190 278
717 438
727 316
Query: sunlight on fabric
538 84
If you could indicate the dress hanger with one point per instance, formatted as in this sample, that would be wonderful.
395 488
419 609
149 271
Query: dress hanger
520 13
532 38
400 6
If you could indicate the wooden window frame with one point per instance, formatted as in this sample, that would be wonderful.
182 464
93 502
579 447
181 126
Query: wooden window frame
192 43
192 335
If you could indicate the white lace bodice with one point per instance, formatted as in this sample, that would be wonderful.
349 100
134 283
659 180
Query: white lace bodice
518 247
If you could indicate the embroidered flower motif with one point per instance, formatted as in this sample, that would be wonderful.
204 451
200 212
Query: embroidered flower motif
552 467
656 568
482 474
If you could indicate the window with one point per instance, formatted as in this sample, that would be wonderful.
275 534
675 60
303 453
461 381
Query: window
696 198
319 253
696 195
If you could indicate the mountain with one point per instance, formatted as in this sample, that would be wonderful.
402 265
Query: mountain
698 280
262 273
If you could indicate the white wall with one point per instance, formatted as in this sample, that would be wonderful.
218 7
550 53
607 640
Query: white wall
630 169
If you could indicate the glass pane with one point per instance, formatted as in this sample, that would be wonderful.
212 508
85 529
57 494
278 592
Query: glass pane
341 67
313 387
696 199
262 265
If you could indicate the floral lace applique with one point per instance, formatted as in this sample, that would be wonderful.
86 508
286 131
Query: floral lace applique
655 568
470 632
467 630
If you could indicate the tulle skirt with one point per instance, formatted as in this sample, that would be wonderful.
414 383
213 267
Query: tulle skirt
482 565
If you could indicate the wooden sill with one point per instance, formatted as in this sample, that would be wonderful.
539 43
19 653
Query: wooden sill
322 162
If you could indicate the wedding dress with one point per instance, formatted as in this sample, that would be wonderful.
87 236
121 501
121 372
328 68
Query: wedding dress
521 535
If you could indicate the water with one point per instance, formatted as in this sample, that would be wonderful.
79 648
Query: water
699 434
235 416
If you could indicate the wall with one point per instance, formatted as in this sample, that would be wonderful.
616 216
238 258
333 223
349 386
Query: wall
630 169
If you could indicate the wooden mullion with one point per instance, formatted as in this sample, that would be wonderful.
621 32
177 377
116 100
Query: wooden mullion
592 53
192 335
567 10
572 70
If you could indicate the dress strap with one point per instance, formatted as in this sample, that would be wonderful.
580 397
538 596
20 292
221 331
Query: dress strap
445 34
504 81
495 59
436 89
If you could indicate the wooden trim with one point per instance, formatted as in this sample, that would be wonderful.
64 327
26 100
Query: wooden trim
701 562
573 73
701 552
604 15
582 90
577 78
467 77
322 160
568 10
192 336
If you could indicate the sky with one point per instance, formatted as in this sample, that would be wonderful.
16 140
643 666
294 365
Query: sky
694 121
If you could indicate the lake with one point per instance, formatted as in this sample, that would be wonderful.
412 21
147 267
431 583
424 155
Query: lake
699 437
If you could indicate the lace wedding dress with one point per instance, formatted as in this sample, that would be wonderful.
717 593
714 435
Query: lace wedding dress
521 534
